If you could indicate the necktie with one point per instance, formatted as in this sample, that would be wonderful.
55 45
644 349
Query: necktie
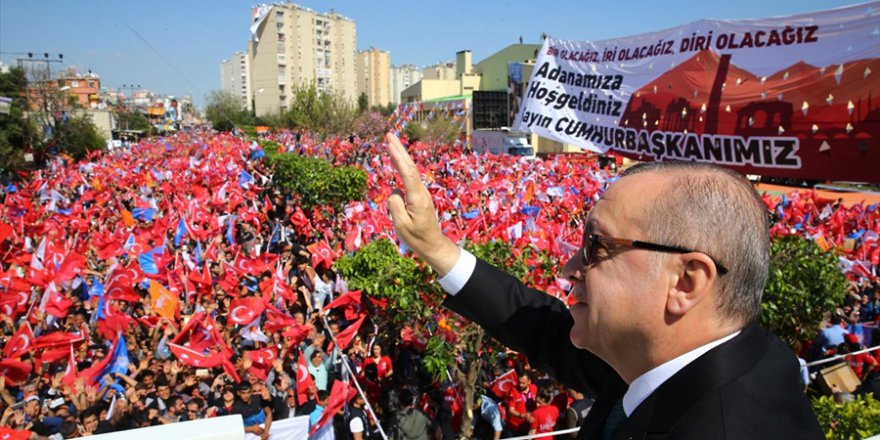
614 420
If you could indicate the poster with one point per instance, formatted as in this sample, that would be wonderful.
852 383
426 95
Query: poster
795 96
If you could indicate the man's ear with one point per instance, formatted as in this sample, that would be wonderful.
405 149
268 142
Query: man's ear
696 276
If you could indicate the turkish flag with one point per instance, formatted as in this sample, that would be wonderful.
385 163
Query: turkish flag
305 384
113 324
243 311
57 305
121 284
345 337
203 278
20 343
261 361
321 254
277 320
297 333
351 300
57 339
502 385
263 357
6 231
194 358
9 305
340 394
15 371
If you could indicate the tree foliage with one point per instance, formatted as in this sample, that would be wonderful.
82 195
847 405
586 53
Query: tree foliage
854 420
315 181
442 131
370 124
78 136
129 120
17 132
804 283
457 348
323 113
363 102
224 110
379 270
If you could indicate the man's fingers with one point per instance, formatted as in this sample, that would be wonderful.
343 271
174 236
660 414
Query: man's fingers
397 208
404 164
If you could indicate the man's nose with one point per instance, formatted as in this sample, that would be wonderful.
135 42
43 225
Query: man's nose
573 270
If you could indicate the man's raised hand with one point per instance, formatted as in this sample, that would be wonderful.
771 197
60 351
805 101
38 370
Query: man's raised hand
413 213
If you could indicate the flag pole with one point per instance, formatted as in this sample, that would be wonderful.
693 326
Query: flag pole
354 379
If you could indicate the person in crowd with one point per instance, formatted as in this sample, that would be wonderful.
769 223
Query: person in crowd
357 422
488 423
409 422
543 419
519 402
256 412
650 288
577 412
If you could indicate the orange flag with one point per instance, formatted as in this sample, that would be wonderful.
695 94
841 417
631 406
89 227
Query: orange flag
127 218
164 303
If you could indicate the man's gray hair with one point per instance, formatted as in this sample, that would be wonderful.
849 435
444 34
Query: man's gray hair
716 211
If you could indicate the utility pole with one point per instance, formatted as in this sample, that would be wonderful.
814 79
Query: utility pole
42 85
132 88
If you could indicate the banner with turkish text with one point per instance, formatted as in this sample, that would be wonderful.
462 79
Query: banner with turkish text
795 96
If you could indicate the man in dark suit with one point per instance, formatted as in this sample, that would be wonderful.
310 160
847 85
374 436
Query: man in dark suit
668 284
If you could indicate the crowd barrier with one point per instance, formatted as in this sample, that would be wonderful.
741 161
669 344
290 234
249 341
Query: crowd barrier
841 356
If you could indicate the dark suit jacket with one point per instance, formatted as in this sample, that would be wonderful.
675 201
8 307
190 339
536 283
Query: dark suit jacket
746 388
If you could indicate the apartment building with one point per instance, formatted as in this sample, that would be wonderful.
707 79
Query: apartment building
235 78
373 73
294 46
440 71
401 78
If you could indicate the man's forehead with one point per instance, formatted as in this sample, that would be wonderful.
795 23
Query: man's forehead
625 201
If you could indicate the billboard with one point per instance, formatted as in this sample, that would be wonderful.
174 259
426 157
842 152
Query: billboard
795 96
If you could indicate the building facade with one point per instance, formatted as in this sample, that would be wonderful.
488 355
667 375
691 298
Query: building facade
373 73
401 78
294 46
235 78
440 71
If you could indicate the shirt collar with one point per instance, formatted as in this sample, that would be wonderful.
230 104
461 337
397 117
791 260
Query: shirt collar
644 385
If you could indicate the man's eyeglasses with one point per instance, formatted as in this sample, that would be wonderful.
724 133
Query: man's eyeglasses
594 241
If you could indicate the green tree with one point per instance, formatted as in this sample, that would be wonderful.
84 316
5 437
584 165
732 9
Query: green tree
134 121
322 113
854 420
315 181
363 102
804 283
224 110
442 131
414 131
17 132
78 136
458 348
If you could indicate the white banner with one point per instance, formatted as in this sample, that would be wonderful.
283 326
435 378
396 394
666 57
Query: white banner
794 96
293 428
258 15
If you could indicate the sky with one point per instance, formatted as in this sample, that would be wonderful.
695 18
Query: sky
175 47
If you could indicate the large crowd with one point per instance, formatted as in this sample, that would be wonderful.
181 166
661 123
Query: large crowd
170 281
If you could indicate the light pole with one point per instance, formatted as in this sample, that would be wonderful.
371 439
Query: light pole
42 85
132 88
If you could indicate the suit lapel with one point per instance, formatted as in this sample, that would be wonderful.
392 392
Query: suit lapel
660 412
592 426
